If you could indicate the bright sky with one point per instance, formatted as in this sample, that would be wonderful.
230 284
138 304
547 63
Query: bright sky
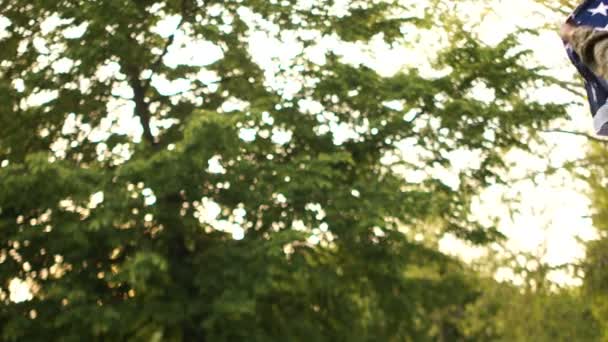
554 211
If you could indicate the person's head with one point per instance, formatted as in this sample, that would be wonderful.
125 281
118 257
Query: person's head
567 31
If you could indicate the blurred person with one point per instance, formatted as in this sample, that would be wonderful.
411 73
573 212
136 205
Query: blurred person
591 46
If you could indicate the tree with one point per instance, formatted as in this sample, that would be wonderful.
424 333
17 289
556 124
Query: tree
595 263
528 305
233 208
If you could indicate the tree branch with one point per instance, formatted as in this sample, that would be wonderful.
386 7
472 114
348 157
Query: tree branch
581 134
142 108
154 67
140 87
573 87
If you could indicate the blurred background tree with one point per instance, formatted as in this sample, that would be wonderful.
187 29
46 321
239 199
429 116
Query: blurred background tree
160 183
529 305
596 262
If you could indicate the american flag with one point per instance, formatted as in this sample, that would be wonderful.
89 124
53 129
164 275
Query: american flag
592 13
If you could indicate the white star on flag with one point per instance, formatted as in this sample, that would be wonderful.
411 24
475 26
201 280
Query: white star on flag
601 9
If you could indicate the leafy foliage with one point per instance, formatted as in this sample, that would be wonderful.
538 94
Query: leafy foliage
119 197
595 265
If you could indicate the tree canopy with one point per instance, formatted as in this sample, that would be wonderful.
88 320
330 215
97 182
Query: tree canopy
159 182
